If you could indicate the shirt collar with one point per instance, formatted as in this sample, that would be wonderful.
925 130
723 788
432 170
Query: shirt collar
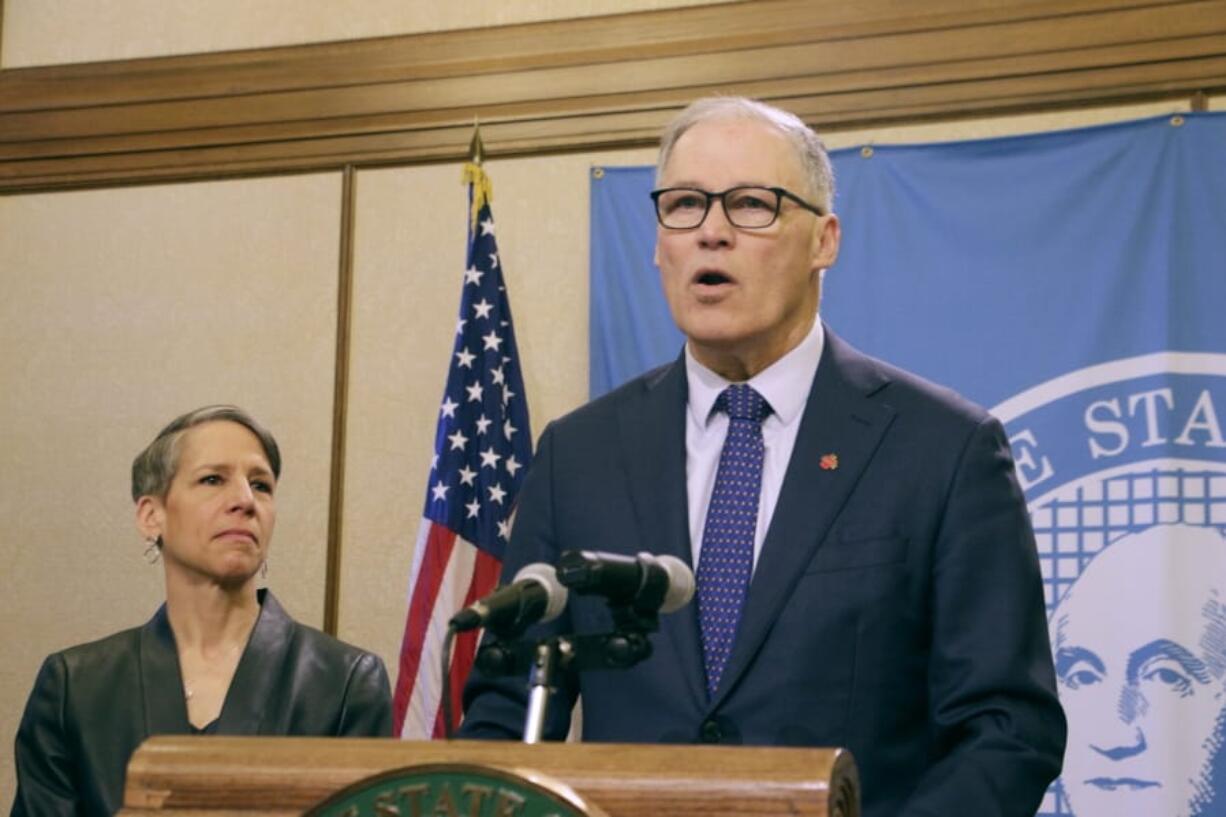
785 383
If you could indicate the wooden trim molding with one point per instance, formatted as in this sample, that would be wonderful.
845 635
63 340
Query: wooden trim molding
592 83
340 403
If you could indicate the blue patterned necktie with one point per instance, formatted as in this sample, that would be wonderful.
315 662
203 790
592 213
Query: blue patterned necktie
725 560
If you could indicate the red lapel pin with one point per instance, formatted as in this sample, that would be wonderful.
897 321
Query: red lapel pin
829 462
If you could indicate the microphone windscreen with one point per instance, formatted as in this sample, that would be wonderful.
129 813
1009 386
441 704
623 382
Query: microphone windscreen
547 577
680 583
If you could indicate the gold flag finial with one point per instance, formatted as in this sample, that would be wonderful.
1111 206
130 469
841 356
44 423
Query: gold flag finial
476 150
473 174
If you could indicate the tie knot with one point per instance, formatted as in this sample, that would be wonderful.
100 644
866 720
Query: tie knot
741 402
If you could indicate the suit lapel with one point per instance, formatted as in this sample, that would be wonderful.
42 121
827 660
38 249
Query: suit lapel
839 419
254 684
652 430
160 678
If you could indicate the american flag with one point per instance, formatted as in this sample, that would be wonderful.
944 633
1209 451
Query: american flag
482 449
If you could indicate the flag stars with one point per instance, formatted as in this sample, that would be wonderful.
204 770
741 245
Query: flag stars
449 407
439 491
483 423
459 326
458 440
507 394
493 341
487 227
490 458
493 260
496 493
474 508
467 475
465 358
472 275
504 529
474 392
512 465
508 430
482 308
497 375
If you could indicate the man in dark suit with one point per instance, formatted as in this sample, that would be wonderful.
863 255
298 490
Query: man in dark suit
867 574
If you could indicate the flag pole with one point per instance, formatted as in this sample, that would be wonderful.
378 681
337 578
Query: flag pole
474 174
476 150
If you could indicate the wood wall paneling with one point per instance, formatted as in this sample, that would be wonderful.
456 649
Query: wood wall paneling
340 401
508 48
594 83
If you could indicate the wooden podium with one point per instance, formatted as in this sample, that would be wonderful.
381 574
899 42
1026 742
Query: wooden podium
244 777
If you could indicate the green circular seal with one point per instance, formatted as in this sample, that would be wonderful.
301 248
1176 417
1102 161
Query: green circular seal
455 790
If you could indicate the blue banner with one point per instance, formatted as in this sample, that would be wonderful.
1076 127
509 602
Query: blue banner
1074 283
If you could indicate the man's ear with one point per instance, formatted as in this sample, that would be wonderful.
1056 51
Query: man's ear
150 517
826 242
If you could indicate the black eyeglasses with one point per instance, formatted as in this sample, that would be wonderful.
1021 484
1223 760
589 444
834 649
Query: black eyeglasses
750 208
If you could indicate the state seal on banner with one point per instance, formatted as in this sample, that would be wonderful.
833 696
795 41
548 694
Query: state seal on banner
1123 465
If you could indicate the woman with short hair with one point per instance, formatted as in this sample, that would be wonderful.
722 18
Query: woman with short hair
219 657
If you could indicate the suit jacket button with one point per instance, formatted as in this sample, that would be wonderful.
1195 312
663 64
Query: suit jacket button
711 732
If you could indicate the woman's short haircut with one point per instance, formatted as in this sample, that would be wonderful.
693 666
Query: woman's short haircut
154 468
807 145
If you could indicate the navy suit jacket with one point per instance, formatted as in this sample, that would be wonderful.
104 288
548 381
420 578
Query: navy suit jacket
896 608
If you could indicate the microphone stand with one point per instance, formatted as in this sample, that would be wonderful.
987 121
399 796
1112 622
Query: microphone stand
622 648
540 683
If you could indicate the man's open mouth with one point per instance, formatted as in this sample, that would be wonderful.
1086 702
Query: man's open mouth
713 279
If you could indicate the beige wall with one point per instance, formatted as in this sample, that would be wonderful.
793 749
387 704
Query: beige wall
123 307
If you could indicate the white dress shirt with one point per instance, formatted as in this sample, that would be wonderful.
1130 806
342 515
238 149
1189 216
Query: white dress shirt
785 384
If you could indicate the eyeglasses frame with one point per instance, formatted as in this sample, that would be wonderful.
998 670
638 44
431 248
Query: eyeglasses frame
781 193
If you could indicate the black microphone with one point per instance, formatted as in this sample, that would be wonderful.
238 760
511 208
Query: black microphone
535 595
647 581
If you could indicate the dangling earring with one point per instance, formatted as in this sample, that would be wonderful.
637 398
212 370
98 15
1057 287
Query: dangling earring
264 569
153 550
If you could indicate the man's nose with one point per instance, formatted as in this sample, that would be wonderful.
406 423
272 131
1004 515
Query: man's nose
716 230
